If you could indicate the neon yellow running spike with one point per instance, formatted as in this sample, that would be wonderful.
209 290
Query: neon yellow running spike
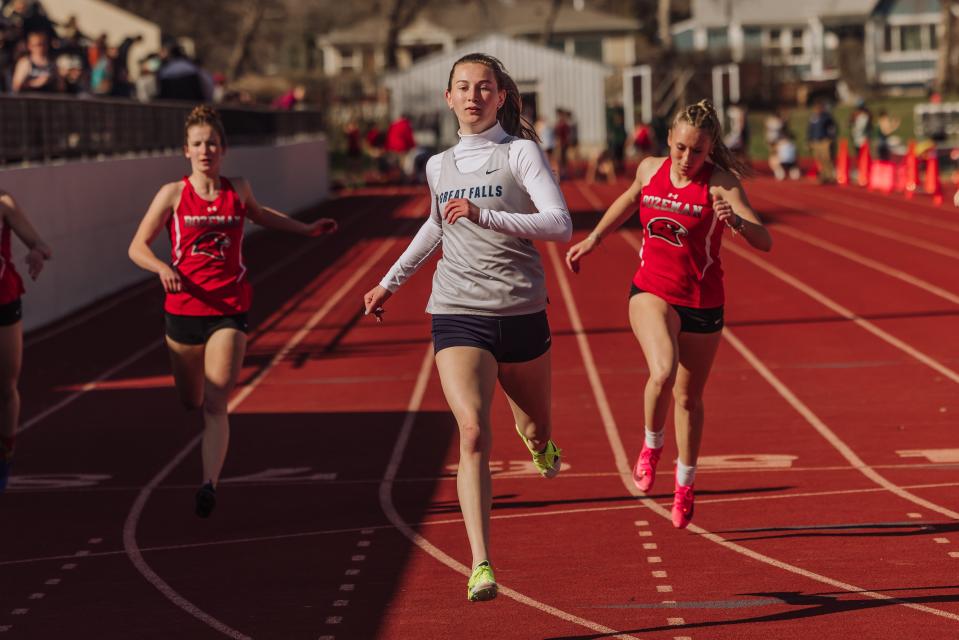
482 584
547 461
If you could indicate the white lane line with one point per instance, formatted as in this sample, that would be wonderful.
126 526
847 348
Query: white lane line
52 582
649 546
837 308
914 515
130 526
941 540
869 262
386 503
954 554
828 434
624 467
659 574
874 208
664 588
653 559
450 521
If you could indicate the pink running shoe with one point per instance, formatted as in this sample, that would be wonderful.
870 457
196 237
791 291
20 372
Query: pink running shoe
683 505
645 470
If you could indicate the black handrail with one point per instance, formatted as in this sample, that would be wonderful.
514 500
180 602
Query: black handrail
39 128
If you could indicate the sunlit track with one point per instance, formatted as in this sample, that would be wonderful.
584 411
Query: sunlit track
624 467
868 262
871 205
898 236
834 306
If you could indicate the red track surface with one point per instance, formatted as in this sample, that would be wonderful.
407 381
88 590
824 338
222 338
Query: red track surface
827 501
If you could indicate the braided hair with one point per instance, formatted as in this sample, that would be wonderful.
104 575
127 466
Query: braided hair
510 115
703 116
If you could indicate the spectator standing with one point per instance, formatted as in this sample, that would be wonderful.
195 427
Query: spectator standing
36 71
291 99
860 125
886 126
400 142
820 135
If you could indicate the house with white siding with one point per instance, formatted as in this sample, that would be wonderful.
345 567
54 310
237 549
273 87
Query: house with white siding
583 32
547 79
894 41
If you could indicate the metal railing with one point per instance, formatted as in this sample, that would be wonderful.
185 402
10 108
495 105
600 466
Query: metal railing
42 128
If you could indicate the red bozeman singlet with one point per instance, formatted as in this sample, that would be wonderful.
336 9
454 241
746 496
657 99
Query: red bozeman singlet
679 259
207 241
11 286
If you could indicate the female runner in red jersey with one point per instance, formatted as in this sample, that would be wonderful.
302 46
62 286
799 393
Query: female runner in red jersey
11 329
207 286
676 300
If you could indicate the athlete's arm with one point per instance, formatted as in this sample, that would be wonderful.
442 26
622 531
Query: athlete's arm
273 219
427 240
732 207
155 219
551 220
20 224
616 215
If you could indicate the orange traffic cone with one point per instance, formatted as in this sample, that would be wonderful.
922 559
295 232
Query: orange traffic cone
911 170
863 165
842 163
933 184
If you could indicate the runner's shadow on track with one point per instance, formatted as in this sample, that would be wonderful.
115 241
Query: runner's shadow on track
452 506
864 530
812 605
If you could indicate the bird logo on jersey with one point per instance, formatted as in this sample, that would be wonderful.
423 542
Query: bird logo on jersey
667 229
212 244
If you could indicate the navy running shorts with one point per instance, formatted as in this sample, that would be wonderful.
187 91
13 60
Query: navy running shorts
198 329
509 338
693 320
11 313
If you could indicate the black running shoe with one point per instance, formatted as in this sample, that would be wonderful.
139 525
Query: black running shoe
205 500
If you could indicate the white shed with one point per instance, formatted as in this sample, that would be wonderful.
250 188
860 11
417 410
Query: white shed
547 80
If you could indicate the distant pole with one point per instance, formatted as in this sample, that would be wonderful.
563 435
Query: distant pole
945 82
662 18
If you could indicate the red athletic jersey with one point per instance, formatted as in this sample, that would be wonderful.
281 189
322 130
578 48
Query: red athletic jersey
207 249
679 260
11 286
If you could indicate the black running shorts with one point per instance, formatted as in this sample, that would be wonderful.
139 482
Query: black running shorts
198 329
508 338
11 313
693 320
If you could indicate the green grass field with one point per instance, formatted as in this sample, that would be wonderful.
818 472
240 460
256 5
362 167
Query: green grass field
798 117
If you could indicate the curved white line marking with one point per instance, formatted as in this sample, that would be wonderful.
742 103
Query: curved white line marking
622 463
386 503
133 518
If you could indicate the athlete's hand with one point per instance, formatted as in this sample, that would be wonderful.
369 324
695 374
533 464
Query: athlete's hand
35 259
580 250
170 278
321 227
724 212
460 208
374 300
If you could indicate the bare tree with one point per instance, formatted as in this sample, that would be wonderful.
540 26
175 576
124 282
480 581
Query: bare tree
945 81
246 30
550 24
400 16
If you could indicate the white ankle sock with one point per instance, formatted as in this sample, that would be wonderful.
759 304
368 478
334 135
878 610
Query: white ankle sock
685 476
654 439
